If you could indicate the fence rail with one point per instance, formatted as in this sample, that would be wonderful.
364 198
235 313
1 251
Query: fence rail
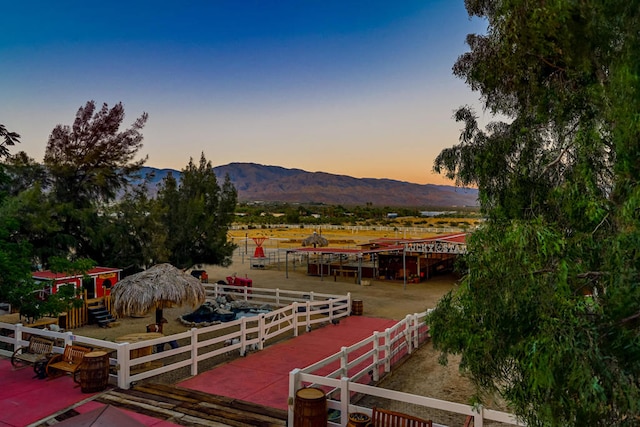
350 370
296 313
353 368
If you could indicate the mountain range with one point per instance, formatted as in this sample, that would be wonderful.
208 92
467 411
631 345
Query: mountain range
260 183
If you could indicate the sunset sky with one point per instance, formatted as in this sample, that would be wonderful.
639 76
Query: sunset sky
358 88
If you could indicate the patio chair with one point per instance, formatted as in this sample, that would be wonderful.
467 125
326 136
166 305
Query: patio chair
67 362
39 348
385 418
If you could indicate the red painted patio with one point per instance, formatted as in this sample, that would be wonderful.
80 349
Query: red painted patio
261 377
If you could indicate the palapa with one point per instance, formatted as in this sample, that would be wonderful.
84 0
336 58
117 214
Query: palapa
315 240
161 286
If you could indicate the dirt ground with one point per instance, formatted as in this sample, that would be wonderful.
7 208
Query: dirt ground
420 374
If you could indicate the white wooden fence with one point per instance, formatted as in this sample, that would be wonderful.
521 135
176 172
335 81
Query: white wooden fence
297 312
354 367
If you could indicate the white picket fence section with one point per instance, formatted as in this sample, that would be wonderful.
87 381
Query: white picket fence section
297 312
355 366
351 369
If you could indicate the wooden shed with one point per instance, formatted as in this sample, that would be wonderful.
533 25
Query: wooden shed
98 282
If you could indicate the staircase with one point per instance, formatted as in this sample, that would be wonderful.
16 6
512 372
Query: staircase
100 315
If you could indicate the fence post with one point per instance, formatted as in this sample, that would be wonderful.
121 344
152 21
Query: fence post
261 330
408 328
194 351
478 420
294 314
376 356
243 336
69 338
122 353
294 385
308 315
387 350
344 362
344 401
17 336
416 330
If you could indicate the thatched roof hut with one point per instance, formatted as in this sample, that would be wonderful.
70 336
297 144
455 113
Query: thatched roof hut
161 286
315 240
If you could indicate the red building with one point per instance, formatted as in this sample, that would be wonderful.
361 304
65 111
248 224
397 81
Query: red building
98 284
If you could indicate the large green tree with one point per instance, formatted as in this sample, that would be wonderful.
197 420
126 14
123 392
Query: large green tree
133 235
15 250
548 313
197 215
90 162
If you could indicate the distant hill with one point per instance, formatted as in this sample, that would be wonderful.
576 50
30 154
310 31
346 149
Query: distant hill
256 182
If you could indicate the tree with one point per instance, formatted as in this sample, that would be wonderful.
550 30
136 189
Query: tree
15 253
92 159
90 162
23 173
8 139
133 235
197 215
547 314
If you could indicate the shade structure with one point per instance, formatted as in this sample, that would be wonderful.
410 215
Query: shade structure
315 240
161 286
107 416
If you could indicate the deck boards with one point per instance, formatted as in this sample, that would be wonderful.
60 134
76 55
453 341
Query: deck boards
193 408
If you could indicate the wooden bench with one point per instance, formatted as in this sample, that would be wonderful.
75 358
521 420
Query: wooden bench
39 348
69 361
385 418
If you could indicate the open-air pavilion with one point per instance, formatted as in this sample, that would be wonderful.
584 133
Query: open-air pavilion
409 260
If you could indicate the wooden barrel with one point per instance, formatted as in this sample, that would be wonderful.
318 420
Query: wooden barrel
356 307
310 408
94 372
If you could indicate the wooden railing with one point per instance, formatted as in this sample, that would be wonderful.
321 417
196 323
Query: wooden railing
78 317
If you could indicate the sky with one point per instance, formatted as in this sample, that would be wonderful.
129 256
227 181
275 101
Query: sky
357 88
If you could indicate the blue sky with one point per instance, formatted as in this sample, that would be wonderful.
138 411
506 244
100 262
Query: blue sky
359 88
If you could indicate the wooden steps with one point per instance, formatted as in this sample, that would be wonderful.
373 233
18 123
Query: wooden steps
193 408
100 315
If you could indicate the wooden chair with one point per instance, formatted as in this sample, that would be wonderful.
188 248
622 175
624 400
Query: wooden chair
385 418
39 348
69 361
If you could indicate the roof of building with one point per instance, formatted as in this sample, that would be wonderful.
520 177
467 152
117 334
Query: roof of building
49 275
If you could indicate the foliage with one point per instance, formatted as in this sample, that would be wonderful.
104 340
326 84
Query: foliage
558 182
89 163
197 213
15 254
92 159
133 235
8 139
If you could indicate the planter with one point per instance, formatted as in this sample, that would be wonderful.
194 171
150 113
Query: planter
359 419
